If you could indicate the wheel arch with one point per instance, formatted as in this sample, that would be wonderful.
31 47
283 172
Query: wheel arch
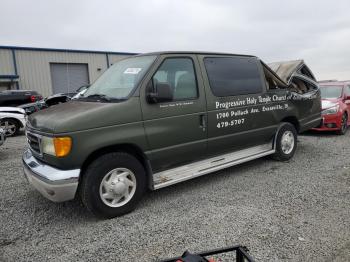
131 149
292 120
275 141
19 123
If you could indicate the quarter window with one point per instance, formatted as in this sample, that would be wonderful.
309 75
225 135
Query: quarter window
179 74
230 76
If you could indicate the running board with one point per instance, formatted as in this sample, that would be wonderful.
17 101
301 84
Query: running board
200 168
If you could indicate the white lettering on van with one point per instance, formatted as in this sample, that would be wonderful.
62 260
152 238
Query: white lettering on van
230 104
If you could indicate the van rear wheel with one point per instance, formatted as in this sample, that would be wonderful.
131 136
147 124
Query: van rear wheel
286 142
113 184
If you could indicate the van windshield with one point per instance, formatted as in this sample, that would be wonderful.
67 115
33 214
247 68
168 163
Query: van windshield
329 92
120 79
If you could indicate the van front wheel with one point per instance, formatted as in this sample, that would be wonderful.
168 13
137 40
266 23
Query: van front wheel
113 184
286 142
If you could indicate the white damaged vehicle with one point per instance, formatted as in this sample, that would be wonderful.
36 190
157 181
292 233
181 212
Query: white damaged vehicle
12 120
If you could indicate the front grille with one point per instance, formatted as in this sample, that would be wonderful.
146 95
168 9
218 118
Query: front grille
34 142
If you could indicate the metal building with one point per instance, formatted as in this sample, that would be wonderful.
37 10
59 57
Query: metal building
51 71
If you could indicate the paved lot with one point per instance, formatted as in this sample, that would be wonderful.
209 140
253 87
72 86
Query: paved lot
292 211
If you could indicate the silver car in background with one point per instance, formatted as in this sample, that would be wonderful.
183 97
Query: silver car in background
12 120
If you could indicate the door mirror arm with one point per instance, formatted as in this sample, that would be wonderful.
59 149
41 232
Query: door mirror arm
161 93
152 97
151 93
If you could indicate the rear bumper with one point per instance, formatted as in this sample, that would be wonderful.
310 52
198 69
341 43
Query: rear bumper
330 123
315 121
55 184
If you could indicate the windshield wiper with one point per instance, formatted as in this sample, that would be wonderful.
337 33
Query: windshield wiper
98 97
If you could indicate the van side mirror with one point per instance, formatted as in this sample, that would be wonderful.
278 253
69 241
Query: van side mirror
161 93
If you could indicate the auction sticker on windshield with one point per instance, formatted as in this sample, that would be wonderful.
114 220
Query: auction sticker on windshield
132 70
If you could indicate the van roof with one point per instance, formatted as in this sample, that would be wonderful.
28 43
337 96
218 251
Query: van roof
194 53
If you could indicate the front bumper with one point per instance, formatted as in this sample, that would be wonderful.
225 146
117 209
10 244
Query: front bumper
54 184
330 123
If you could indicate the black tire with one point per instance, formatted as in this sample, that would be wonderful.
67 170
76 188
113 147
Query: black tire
344 125
10 122
97 171
281 153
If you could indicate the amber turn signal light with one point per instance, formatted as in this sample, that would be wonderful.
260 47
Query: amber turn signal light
63 145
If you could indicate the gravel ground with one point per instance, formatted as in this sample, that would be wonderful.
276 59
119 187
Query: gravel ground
293 211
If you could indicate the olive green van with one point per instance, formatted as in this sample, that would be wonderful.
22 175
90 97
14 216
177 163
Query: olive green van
157 119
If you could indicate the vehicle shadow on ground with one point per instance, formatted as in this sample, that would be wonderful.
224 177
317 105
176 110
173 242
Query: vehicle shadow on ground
74 212
319 134
206 181
71 212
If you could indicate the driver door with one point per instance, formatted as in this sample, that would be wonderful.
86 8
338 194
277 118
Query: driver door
176 130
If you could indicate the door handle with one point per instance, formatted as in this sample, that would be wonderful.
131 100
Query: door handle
202 122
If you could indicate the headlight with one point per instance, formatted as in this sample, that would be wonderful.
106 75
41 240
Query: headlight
331 110
56 146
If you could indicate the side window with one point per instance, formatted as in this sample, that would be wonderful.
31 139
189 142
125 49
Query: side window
230 76
179 74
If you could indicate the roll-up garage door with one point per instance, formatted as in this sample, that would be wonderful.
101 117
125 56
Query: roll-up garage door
67 77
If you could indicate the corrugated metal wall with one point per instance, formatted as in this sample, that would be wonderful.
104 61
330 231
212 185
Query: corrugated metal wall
6 64
115 58
33 66
67 78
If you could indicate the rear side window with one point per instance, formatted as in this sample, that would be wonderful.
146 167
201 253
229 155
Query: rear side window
231 76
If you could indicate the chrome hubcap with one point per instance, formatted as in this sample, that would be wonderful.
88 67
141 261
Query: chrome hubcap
8 127
287 142
118 187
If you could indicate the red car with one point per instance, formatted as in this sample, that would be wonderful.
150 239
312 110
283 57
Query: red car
335 97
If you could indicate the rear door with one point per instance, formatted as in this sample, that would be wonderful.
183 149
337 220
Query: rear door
235 91
176 130
309 100
305 93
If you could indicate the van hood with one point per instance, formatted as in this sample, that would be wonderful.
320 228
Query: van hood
82 115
